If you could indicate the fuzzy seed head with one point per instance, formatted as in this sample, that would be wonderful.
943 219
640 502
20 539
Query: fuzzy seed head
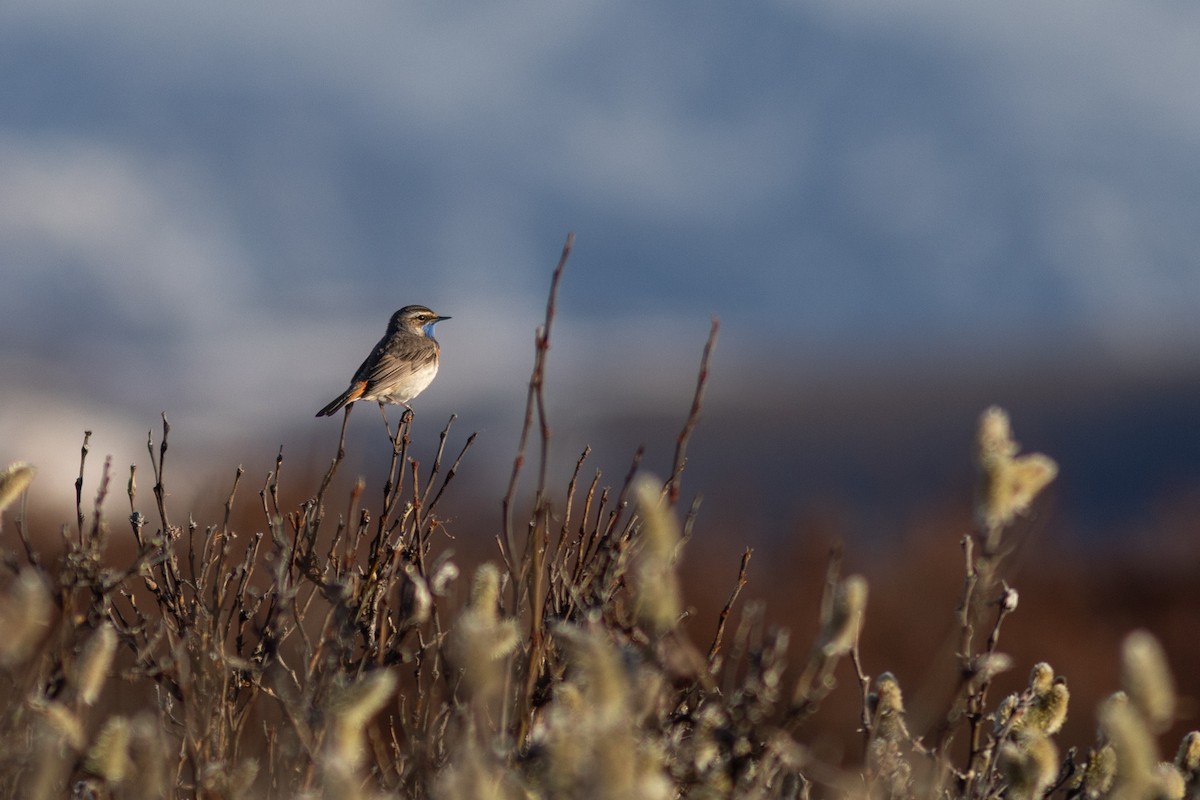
1029 764
1100 772
1011 489
1055 706
1188 757
659 599
892 772
1008 483
1147 679
25 617
1041 678
443 575
1133 745
660 530
481 639
13 481
887 693
1003 715
994 438
1047 701
1168 783
356 704
888 709
591 743
475 773
108 757
64 725
597 672
416 601
148 751
1010 599
91 671
485 591
350 712
989 665
845 618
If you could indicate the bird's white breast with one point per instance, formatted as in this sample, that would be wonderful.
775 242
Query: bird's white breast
407 387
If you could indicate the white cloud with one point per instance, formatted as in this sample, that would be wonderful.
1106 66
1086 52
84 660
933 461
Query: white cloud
146 233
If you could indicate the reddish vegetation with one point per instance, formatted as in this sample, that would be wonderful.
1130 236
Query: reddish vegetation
1076 605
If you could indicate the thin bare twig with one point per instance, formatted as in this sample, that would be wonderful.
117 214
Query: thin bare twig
671 488
534 399
530 578
737 590
83 454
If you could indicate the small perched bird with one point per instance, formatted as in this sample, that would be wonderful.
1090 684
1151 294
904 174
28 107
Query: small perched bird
400 366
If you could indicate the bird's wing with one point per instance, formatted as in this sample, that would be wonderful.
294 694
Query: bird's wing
369 364
397 362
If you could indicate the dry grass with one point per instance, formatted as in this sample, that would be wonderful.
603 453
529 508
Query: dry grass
326 655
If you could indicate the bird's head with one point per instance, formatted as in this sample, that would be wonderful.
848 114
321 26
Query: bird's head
415 319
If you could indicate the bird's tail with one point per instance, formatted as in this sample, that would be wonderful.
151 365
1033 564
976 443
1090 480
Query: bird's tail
349 396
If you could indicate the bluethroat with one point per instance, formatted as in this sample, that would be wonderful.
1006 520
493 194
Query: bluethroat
402 364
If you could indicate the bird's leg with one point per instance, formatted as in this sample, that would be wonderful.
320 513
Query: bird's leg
387 425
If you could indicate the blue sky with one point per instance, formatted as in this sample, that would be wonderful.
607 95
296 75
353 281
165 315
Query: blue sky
212 209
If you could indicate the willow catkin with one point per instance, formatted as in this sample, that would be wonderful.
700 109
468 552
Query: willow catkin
1046 707
481 638
25 617
1008 482
13 481
1147 679
659 598
1029 764
844 619
351 710
1133 747
92 668
108 757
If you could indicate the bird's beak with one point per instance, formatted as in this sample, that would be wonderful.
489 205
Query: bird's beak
439 319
